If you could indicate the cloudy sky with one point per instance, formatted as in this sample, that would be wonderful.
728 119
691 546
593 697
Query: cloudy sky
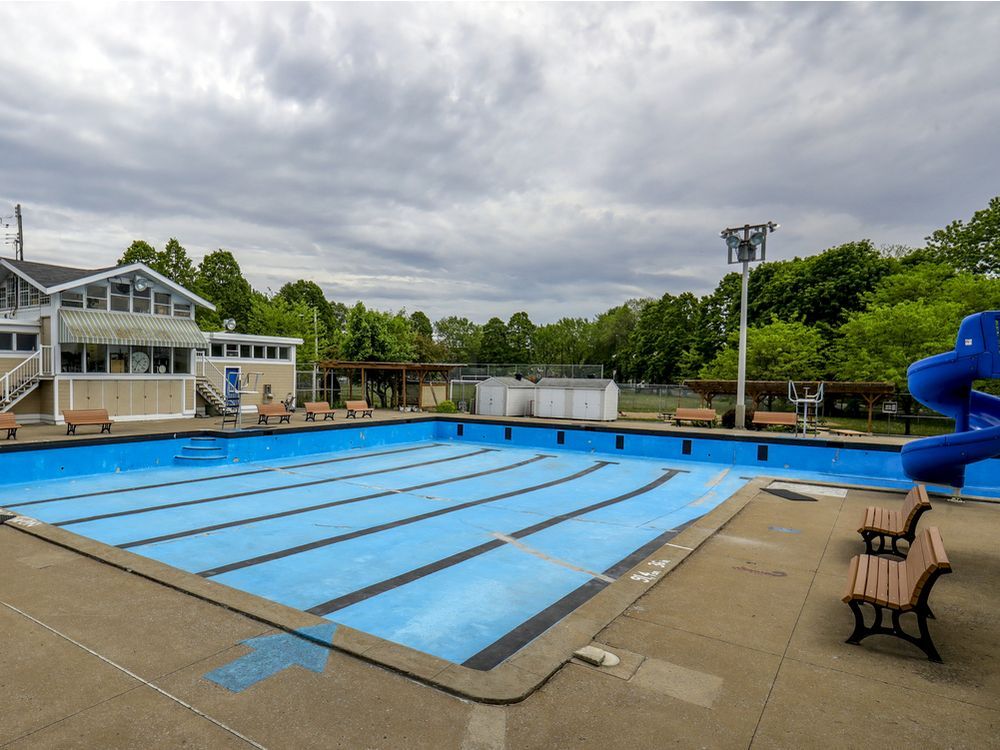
482 159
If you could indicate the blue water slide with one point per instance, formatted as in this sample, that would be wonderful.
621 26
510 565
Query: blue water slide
944 383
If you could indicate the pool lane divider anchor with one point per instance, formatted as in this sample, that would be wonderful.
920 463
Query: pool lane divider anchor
271 654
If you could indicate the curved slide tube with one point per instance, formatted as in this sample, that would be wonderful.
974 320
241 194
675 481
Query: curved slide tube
944 383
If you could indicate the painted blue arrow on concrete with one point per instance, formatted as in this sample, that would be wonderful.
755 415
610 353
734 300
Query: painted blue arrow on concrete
273 653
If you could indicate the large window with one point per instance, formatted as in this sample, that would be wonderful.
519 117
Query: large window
97 358
97 297
121 296
118 359
7 342
140 300
8 292
182 310
18 342
161 360
72 299
71 358
251 351
161 303
182 360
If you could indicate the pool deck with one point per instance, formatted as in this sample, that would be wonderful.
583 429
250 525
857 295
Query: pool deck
740 645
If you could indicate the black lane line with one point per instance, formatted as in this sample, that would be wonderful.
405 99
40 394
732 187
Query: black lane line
533 627
467 554
331 504
394 524
267 490
224 476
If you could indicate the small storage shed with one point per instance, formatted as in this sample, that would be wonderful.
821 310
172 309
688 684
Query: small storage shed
504 397
577 398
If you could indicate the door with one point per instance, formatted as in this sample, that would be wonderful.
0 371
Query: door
586 404
232 384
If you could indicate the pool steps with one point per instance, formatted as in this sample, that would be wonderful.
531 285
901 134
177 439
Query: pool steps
202 450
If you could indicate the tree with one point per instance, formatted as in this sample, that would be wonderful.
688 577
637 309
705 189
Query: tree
374 336
780 350
221 282
610 336
310 293
520 338
421 324
663 333
460 337
139 251
173 261
922 281
972 247
276 316
494 346
565 342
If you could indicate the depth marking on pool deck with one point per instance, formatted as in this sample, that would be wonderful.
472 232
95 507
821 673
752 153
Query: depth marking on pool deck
266 490
331 504
221 477
467 554
394 524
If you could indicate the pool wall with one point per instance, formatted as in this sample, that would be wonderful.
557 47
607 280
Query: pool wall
765 451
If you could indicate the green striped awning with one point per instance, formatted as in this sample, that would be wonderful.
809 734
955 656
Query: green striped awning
99 327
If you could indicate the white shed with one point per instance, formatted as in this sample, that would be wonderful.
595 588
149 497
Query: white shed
577 398
504 397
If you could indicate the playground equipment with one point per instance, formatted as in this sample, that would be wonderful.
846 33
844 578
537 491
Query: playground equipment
805 401
944 383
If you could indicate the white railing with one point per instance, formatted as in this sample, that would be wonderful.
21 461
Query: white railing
37 365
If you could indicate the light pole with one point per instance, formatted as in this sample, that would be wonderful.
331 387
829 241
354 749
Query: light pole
747 243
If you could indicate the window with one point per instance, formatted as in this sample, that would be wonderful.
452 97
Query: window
121 296
27 342
161 360
97 298
246 351
282 352
258 352
232 350
8 292
217 350
161 303
140 300
72 299
97 358
182 360
182 310
140 360
29 295
71 358
7 342
272 352
118 359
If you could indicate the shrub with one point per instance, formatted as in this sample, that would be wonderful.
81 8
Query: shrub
447 407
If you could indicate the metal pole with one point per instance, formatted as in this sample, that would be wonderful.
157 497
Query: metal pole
315 334
20 233
741 378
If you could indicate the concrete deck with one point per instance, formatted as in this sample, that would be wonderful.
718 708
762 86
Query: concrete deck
740 645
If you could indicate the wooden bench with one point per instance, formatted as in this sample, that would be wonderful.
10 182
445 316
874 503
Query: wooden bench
8 421
900 586
357 407
882 523
707 416
77 417
774 419
313 408
266 411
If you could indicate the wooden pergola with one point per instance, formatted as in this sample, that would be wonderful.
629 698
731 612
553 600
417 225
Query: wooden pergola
758 390
423 371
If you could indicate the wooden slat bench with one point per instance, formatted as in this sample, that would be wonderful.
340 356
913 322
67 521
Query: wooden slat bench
266 411
8 421
774 419
314 408
77 417
357 407
882 523
706 416
898 586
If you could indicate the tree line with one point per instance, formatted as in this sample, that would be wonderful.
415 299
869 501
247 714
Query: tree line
851 312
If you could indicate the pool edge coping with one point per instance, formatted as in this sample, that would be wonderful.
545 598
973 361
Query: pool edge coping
511 681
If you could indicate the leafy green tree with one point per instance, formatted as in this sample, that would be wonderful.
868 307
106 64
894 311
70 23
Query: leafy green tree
780 350
173 261
276 316
460 337
140 251
421 324
881 343
718 317
663 333
610 339
494 347
520 338
565 342
972 247
375 336
922 281
310 293
221 282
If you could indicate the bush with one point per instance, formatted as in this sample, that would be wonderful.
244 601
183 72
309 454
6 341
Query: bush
447 407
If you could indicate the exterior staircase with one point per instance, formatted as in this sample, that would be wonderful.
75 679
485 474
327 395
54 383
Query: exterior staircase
201 451
211 393
25 378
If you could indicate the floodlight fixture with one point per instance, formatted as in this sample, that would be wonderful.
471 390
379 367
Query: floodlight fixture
140 284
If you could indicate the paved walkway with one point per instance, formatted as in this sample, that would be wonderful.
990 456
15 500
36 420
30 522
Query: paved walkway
740 646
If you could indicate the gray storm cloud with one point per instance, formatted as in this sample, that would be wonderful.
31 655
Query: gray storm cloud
480 159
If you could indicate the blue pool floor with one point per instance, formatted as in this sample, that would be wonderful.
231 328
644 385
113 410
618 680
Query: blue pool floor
457 549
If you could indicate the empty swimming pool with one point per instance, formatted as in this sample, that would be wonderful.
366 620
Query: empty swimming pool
462 540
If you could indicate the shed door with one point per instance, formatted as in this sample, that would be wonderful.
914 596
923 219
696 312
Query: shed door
546 403
586 404
491 401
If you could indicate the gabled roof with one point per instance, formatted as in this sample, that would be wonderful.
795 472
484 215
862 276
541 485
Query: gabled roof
508 381
52 279
45 275
588 383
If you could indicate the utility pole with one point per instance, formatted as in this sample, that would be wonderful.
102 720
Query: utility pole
19 243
